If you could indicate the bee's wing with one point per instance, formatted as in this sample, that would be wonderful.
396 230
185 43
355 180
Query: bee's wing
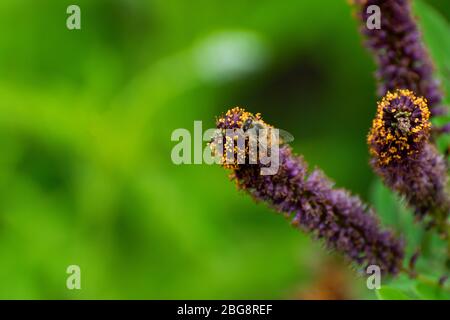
285 136
214 135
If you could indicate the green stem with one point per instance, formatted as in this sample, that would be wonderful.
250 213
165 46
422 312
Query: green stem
447 262
425 280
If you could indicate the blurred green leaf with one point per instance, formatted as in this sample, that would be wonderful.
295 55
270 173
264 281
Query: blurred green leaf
385 203
389 293
430 292
393 213
436 32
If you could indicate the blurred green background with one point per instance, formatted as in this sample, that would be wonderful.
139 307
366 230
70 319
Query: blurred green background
86 117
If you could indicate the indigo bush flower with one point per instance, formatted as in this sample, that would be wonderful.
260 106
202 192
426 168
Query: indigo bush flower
403 62
312 204
403 157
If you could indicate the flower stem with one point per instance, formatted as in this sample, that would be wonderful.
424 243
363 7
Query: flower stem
425 279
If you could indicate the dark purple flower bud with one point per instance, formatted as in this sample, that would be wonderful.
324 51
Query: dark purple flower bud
333 215
442 280
403 62
403 157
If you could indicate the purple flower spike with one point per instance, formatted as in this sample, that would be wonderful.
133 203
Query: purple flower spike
341 220
403 62
403 157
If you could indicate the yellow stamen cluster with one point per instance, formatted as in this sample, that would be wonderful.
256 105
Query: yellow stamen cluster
400 127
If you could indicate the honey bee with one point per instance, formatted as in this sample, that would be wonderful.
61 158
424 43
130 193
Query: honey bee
256 124
250 138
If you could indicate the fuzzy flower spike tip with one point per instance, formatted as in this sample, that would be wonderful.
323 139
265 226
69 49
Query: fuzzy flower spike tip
403 157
